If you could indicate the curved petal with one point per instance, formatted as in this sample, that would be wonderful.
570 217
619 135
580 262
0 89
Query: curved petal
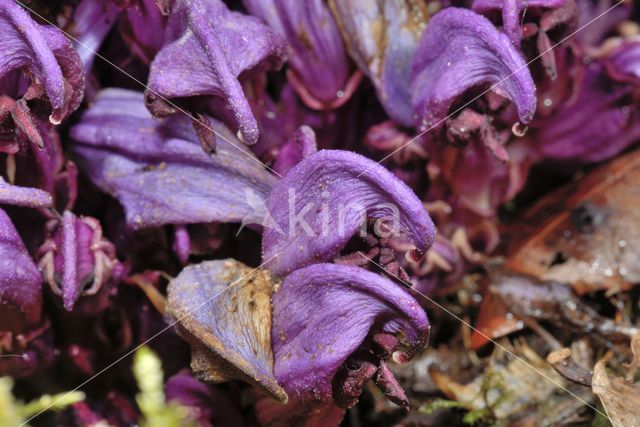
320 204
319 63
323 313
208 50
223 309
164 177
511 12
381 37
23 196
460 50
48 56
20 281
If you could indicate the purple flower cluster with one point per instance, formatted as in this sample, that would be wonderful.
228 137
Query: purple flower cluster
150 151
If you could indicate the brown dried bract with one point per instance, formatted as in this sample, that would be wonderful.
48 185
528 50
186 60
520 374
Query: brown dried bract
586 234
223 309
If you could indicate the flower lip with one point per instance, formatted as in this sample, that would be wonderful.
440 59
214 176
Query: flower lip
320 204
460 50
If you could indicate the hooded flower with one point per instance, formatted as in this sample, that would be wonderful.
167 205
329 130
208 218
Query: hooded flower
208 51
381 37
40 75
461 50
164 177
322 202
306 338
319 66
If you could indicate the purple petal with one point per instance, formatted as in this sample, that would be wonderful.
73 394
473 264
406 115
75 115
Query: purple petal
319 64
320 204
381 38
300 144
224 311
512 12
24 196
323 313
20 281
623 64
48 56
461 50
208 50
164 177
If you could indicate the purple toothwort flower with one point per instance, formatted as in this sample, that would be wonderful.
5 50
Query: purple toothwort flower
201 66
461 50
40 76
321 204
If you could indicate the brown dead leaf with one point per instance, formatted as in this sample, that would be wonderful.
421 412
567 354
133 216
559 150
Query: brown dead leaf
587 233
621 399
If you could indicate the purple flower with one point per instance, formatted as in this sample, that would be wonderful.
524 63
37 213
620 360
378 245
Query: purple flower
307 338
208 52
322 202
382 37
320 68
461 50
40 75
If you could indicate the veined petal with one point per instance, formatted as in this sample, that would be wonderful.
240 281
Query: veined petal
381 37
323 313
76 261
208 50
223 309
460 50
157 169
319 63
321 203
